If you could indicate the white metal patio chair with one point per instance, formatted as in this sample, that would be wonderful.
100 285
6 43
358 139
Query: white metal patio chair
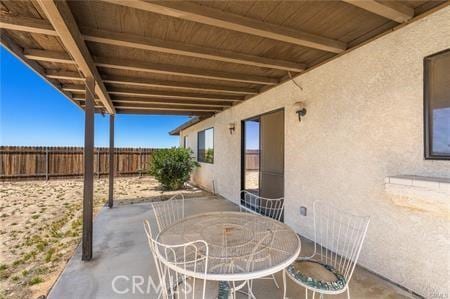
174 263
270 207
338 239
169 211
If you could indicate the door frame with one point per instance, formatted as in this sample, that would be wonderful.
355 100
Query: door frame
260 149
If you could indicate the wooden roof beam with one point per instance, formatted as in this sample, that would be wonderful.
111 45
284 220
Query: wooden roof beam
157 45
36 25
142 66
143 82
217 18
171 95
63 75
171 103
157 94
32 25
162 108
50 56
159 112
391 10
60 16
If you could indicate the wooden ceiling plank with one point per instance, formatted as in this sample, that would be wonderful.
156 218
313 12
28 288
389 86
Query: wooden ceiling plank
173 95
125 64
217 18
157 45
50 56
32 25
142 66
171 103
63 75
391 10
35 25
142 82
150 107
62 20
156 94
158 112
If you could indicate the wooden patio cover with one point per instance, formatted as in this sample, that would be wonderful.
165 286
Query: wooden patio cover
190 58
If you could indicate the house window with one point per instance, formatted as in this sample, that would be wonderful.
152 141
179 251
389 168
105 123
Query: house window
185 142
205 152
437 105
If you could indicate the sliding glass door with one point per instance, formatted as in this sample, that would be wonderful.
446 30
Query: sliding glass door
263 154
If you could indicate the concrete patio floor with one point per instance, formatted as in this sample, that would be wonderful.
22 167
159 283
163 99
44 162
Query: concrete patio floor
121 252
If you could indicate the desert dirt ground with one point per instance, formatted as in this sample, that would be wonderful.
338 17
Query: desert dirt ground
40 226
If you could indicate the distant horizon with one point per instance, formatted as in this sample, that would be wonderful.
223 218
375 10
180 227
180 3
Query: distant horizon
34 113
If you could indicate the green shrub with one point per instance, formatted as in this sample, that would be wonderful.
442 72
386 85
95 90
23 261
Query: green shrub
172 167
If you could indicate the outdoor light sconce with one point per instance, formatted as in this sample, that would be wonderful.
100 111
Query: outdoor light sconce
301 110
231 127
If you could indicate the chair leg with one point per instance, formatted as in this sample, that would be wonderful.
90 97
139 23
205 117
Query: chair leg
284 284
306 293
275 281
348 292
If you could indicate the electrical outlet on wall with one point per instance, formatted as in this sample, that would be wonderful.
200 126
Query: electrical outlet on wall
303 211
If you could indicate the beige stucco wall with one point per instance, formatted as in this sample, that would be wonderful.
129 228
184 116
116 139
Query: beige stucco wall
364 123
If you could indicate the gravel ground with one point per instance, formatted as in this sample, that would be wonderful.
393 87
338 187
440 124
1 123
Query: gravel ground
41 226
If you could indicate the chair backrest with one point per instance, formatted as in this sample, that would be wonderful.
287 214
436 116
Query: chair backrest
169 211
174 263
338 237
270 207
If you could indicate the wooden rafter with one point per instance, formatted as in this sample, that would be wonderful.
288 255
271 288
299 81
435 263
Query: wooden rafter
63 75
62 20
33 25
214 17
45 55
163 108
164 102
171 103
160 112
172 95
158 94
145 43
143 82
388 9
152 44
142 66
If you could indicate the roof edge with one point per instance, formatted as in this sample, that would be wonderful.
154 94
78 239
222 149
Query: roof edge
189 123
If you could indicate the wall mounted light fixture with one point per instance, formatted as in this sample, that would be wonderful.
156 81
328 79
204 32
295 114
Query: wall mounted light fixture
301 110
232 128
301 113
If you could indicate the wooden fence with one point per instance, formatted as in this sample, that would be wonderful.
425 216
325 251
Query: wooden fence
21 162
251 159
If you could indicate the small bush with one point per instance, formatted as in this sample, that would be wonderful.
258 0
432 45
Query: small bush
172 167
35 280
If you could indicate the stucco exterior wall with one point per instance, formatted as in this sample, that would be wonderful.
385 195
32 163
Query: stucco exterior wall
364 123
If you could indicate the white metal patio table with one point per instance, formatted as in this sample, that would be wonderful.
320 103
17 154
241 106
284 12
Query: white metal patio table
242 246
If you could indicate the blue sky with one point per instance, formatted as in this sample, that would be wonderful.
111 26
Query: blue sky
34 113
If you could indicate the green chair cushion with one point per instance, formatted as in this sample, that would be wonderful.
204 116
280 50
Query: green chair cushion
317 275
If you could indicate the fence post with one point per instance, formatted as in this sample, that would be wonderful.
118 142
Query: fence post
140 162
98 163
46 163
